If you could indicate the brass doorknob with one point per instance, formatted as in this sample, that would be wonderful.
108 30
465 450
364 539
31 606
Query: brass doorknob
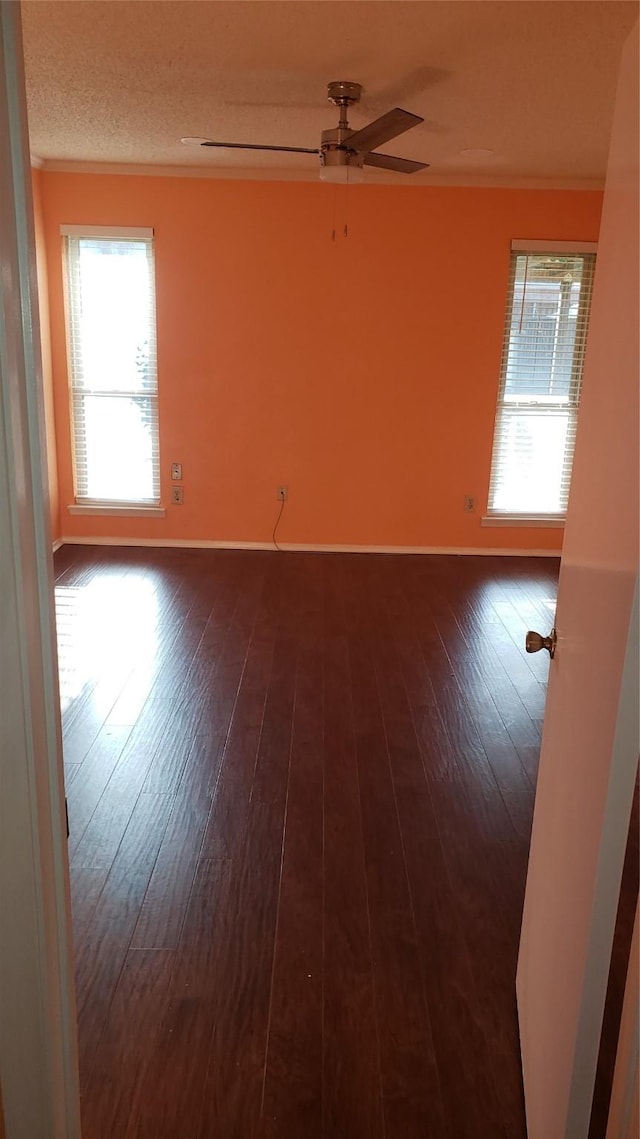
535 641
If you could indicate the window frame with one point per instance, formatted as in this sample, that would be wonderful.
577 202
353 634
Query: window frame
536 248
86 504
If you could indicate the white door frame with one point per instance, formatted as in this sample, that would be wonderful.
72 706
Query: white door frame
38 1053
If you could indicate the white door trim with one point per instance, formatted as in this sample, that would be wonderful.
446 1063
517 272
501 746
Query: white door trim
38 1053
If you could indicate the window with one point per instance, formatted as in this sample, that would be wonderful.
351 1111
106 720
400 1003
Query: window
112 361
540 379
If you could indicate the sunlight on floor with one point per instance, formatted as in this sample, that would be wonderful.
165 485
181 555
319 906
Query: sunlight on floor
107 630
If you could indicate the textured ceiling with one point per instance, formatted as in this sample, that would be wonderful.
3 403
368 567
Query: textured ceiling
531 80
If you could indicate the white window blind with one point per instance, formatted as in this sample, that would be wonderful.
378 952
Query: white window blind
540 379
113 373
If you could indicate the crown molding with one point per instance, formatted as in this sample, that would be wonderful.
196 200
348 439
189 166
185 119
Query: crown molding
373 178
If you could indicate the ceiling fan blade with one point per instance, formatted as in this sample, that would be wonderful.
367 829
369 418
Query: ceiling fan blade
390 162
254 146
395 122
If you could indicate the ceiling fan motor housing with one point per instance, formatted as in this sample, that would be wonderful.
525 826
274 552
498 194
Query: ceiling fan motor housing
334 148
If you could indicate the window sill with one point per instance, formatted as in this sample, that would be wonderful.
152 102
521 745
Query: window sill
539 520
116 509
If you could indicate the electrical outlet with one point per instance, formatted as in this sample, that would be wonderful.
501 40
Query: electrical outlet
176 471
469 503
177 495
282 493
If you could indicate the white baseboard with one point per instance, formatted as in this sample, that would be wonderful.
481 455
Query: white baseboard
58 543
310 548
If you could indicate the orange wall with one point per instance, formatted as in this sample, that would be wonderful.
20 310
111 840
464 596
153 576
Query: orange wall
47 377
362 372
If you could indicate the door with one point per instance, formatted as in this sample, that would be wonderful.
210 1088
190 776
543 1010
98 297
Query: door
38 1062
590 740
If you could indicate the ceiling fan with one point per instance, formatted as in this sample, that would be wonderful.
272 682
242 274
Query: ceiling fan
342 151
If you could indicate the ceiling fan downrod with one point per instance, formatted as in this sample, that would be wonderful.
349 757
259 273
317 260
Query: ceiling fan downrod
342 95
333 151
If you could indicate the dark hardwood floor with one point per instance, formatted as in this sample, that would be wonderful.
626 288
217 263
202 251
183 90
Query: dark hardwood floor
300 794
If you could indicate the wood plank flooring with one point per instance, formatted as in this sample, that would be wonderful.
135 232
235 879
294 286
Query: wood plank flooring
300 795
